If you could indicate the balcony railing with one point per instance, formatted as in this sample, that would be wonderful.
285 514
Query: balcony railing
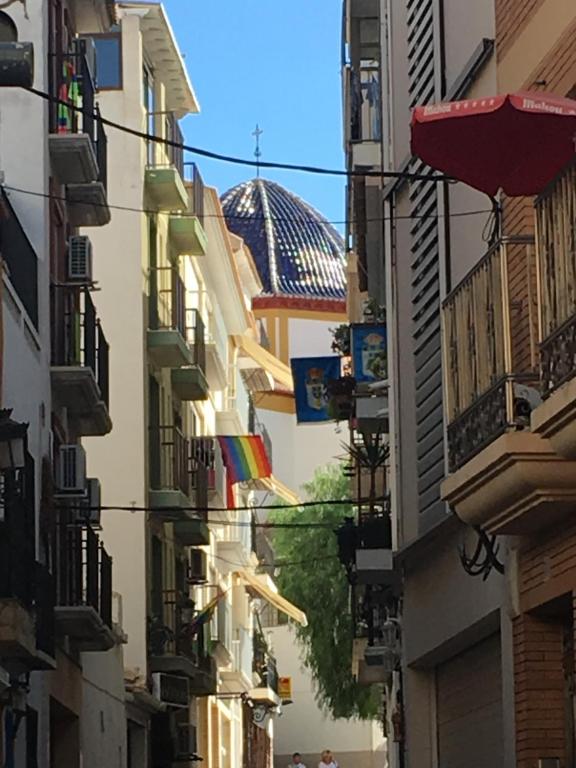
489 341
169 460
196 199
265 666
556 242
84 572
196 335
167 300
171 633
206 453
365 114
77 336
17 537
70 80
161 155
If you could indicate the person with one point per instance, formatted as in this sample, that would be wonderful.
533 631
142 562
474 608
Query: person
327 760
296 761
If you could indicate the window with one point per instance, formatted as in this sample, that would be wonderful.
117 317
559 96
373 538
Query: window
108 61
20 259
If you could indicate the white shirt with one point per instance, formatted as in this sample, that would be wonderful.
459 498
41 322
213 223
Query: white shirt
333 764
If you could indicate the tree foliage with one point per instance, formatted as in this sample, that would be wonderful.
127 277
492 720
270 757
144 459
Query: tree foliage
315 581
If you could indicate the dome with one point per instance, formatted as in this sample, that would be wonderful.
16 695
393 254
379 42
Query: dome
296 251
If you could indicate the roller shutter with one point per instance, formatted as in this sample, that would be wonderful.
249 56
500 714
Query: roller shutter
469 708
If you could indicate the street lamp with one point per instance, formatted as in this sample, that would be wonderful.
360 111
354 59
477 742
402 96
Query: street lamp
12 442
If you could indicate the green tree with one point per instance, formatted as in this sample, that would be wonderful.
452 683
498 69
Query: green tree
316 582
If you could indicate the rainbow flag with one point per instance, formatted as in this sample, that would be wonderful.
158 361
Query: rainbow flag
245 458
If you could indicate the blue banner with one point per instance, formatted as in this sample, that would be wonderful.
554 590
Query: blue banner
369 352
310 375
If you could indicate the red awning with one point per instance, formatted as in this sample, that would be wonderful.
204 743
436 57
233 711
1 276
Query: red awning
517 142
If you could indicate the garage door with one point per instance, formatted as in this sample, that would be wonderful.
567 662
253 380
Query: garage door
469 708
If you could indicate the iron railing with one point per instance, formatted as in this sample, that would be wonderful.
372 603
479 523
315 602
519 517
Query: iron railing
489 324
71 81
364 99
556 247
169 459
172 633
196 336
205 453
77 336
197 196
17 536
160 153
174 133
84 571
167 300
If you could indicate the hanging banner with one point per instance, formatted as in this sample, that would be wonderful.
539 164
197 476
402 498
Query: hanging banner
369 352
310 376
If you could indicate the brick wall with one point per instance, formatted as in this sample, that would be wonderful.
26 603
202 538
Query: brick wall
539 691
548 567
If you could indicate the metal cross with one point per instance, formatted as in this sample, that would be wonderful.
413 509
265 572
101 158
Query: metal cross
257 132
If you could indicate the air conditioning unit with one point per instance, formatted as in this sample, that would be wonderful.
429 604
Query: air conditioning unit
172 690
71 470
79 259
185 741
197 567
89 509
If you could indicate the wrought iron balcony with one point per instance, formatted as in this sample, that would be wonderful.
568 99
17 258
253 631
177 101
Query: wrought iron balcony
176 647
80 358
170 471
167 334
187 232
556 240
206 453
77 140
489 322
165 165
189 382
84 589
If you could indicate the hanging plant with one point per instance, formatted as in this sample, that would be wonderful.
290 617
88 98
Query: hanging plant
341 340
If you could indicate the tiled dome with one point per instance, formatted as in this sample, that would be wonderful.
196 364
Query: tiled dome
297 252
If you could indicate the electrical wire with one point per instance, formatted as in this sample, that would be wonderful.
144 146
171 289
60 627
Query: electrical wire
95 115
280 219
279 564
245 508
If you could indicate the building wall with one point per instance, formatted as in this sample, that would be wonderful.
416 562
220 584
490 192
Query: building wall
304 728
120 261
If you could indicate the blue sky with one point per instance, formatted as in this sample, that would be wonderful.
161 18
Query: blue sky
275 62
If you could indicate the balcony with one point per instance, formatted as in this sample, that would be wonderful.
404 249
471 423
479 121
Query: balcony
189 382
233 418
505 478
84 589
174 647
221 629
206 452
240 674
79 372
363 115
165 171
265 671
555 419
187 231
170 478
216 351
192 530
17 563
235 549
77 142
167 344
